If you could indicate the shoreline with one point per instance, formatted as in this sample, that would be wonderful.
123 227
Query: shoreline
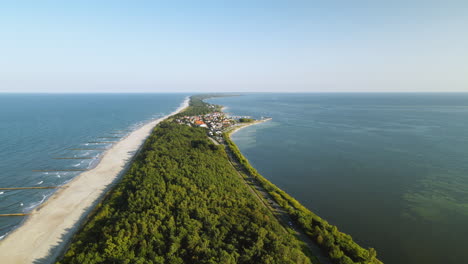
268 200
47 231
237 128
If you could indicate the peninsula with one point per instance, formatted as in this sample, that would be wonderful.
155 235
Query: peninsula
190 196
178 190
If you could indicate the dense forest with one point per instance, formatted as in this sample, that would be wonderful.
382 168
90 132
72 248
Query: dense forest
245 120
182 202
339 246
199 107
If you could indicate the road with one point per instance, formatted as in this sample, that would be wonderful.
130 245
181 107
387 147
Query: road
279 212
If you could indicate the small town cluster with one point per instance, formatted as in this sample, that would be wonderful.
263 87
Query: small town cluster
215 122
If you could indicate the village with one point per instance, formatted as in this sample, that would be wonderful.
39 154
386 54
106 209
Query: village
215 122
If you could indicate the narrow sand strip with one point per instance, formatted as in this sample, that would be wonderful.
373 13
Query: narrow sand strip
48 228
241 126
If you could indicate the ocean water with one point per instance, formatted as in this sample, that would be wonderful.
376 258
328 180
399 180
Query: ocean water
36 128
389 169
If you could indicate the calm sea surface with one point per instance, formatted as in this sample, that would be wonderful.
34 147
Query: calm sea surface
35 128
389 169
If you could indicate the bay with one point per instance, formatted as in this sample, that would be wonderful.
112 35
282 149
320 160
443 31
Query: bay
389 169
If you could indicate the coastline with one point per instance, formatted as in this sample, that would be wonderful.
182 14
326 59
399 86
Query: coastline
239 127
268 200
47 230
308 226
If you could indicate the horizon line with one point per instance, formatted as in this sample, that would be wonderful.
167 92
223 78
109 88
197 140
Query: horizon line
230 92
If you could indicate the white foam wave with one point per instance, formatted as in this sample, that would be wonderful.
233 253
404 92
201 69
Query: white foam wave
40 182
2 237
67 181
2 192
34 205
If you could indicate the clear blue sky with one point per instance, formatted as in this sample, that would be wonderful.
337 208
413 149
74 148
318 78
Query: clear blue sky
275 46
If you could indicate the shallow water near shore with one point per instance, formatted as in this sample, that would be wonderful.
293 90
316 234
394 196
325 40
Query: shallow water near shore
389 169
36 128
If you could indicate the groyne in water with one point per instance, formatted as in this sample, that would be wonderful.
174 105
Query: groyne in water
102 142
59 170
76 158
21 214
87 149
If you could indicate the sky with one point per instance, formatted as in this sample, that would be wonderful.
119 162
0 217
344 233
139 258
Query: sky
233 46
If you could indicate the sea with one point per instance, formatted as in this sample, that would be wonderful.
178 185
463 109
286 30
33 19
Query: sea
390 169
35 129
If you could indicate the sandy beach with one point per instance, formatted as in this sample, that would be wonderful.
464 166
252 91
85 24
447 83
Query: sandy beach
241 126
46 231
